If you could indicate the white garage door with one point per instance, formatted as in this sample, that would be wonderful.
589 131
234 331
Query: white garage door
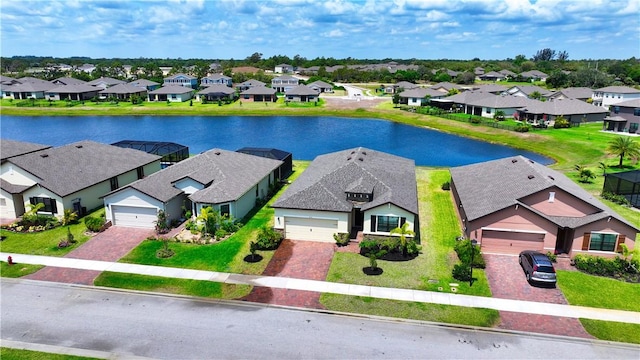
137 217
507 242
310 229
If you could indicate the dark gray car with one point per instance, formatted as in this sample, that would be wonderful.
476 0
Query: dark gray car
537 267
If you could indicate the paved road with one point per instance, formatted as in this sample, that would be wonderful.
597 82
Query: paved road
158 326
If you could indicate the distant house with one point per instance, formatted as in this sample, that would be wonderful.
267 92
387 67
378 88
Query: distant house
349 191
302 93
508 73
216 92
478 71
284 83
286 157
579 93
624 117
171 93
105 82
259 94
216 79
321 86
229 182
145 84
67 81
419 96
123 92
246 85
486 106
490 88
181 80
73 176
20 91
514 204
493 76
612 95
78 92
86 68
575 111
283 69
445 87
527 90
400 86
534 75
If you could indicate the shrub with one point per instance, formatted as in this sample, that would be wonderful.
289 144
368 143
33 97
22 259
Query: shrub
461 272
521 128
561 123
474 120
615 267
93 223
220 233
390 247
342 239
230 226
446 186
616 198
268 238
552 257
463 249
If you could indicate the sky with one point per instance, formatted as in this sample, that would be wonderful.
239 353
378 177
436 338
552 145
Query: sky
371 29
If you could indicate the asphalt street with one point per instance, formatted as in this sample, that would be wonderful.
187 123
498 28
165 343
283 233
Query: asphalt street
126 324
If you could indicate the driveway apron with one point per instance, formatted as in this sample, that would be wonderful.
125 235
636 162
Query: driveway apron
109 245
295 259
507 281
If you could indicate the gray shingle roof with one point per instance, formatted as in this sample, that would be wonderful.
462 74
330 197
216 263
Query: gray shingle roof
176 76
301 90
251 82
70 168
172 89
491 186
563 107
259 90
421 93
323 184
501 101
106 80
619 90
217 89
11 148
574 92
321 84
634 103
73 89
68 81
29 87
227 175
12 188
123 89
143 83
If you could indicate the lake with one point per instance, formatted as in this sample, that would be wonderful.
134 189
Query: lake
305 137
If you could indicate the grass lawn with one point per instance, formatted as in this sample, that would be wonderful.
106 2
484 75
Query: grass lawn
172 286
17 270
19 354
612 331
45 242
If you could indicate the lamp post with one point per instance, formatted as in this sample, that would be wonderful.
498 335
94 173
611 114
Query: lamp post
473 255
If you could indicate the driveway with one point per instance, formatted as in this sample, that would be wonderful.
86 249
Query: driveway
109 245
507 281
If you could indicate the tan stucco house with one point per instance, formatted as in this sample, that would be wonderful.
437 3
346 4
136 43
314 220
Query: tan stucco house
348 191
514 204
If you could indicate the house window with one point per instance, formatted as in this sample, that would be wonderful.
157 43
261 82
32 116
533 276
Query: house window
616 109
257 190
3 202
552 196
633 127
636 112
386 223
114 183
224 210
140 171
603 241
50 204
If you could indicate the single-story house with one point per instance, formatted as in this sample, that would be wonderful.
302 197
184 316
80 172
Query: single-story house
66 81
302 93
259 94
26 90
181 80
445 87
321 86
246 85
73 176
349 191
172 93
488 105
145 84
284 83
123 91
579 93
490 88
624 117
527 90
493 76
508 73
514 204
283 69
286 157
216 79
77 92
420 96
105 82
228 181
575 111
399 86
216 92
534 75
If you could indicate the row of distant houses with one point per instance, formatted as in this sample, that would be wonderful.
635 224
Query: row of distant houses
617 106
508 204
177 88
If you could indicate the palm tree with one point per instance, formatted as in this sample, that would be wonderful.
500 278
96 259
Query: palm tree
623 146
403 231
210 217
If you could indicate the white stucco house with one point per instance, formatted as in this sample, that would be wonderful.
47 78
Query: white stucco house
171 93
349 191
229 182
73 176
612 95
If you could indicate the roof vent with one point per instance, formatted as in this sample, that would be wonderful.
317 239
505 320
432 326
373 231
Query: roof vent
217 153
531 161
551 177
530 177
364 153
514 160
349 158
44 155
79 146
361 159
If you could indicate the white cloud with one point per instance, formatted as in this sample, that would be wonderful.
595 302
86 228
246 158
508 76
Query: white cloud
435 15
333 33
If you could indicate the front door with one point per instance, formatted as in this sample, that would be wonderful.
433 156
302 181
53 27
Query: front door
564 240
358 219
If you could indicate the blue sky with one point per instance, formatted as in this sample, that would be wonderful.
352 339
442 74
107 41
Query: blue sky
373 29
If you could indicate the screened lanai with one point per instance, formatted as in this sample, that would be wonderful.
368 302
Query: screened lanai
171 152
626 184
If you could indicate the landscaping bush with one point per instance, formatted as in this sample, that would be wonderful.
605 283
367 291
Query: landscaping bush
552 257
461 272
230 225
390 247
446 186
463 249
93 224
561 123
521 128
220 233
268 239
616 198
618 267
342 239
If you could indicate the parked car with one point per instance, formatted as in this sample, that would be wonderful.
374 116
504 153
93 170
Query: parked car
537 267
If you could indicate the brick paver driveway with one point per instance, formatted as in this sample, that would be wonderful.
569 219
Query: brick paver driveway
507 280
109 245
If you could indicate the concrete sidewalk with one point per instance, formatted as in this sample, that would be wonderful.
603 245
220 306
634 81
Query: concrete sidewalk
529 307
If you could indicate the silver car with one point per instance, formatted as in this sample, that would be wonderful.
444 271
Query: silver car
537 267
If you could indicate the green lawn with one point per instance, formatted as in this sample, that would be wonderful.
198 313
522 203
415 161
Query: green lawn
45 242
19 354
17 270
612 331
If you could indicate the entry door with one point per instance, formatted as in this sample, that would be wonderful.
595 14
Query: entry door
358 219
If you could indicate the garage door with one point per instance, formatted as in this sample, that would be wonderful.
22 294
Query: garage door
138 217
310 229
506 242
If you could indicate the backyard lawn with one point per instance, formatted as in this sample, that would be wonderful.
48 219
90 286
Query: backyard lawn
19 354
